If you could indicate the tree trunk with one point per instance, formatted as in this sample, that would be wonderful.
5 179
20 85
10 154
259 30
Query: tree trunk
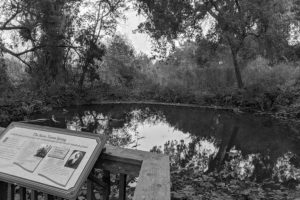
237 69
82 77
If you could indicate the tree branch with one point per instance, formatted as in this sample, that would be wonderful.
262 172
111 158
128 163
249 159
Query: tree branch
11 18
12 28
6 50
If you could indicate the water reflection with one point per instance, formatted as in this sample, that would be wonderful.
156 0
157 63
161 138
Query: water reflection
200 141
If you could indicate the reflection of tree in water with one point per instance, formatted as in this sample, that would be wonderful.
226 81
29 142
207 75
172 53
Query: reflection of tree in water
224 150
121 127
252 176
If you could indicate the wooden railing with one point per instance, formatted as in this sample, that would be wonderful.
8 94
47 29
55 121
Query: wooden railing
152 169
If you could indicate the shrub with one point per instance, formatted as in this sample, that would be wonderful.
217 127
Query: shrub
282 75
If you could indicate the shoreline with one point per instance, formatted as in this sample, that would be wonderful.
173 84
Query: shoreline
287 117
236 110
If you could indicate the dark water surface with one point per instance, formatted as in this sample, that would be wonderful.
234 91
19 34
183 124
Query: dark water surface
255 147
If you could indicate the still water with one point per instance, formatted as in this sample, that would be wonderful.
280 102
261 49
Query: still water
255 147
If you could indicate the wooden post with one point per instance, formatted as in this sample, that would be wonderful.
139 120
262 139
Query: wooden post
3 190
11 192
34 195
89 193
122 187
106 179
22 193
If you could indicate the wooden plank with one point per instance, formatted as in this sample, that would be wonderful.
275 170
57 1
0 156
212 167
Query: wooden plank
116 167
22 193
122 187
154 180
126 161
7 191
89 192
11 192
3 190
130 155
106 179
34 195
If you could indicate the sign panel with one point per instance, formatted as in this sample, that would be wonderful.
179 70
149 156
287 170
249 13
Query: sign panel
55 161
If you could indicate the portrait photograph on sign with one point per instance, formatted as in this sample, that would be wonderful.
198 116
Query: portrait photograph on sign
75 159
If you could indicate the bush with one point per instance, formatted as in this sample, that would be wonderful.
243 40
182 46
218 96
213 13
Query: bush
282 75
63 95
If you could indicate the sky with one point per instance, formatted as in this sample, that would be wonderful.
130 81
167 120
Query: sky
141 42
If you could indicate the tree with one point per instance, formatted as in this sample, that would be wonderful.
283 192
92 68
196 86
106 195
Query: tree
232 22
42 29
58 35
52 17
97 22
120 59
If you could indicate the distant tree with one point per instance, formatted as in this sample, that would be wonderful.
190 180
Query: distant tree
120 58
98 21
232 22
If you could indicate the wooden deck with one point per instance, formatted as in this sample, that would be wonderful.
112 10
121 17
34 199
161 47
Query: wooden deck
153 171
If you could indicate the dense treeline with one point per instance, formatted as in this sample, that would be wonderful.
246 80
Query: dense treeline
59 52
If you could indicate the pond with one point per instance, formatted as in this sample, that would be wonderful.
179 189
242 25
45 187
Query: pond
214 154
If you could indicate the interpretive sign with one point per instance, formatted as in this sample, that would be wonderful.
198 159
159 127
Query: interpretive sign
55 161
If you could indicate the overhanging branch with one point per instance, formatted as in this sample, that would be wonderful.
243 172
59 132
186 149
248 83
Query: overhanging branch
6 50
4 28
11 18
19 54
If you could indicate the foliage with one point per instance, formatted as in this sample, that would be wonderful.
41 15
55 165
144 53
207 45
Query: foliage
56 55
98 21
234 22
16 72
120 59
5 84
57 36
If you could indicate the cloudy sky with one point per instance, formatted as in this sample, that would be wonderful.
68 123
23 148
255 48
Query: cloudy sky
141 42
